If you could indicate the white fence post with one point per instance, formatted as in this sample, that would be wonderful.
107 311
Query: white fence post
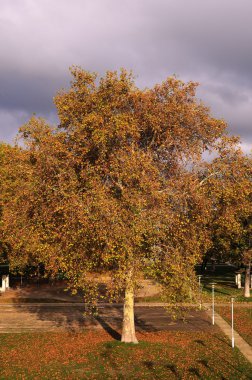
7 281
232 320
213 303
3 283
239 280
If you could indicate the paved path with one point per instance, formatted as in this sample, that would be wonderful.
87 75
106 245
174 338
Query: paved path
243 346
236 304
70 317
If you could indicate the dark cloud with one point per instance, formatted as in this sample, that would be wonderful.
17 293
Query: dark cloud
33 94
205 41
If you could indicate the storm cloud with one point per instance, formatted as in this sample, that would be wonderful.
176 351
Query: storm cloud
204 41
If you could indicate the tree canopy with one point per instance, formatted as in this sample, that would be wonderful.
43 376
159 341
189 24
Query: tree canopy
115 187
229 186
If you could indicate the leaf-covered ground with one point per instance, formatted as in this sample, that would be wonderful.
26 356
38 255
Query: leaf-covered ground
95 355
242 320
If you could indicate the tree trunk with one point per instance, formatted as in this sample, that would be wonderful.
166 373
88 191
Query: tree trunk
247 281
128 330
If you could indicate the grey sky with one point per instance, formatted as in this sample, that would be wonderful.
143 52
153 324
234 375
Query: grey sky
206 41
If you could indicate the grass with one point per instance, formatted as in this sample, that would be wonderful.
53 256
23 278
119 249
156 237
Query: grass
225 287
242 320
93 355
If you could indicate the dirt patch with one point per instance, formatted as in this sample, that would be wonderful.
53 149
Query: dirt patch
57 292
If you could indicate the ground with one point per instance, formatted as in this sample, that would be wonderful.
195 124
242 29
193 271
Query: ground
160 355
223 276
45 335
242 319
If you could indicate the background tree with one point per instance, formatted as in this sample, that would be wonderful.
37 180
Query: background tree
115 187
16 236
228 184
3 245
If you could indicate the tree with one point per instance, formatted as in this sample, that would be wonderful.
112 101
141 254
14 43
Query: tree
15 191
2 242
228 184
115 187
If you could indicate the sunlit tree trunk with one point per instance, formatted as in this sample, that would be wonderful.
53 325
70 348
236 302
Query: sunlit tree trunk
128 330
247 281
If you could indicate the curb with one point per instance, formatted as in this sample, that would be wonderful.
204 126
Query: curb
240 343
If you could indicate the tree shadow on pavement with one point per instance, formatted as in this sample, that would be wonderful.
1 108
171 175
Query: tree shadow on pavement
66 316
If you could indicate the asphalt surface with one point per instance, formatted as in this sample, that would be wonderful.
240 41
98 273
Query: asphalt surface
74 317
